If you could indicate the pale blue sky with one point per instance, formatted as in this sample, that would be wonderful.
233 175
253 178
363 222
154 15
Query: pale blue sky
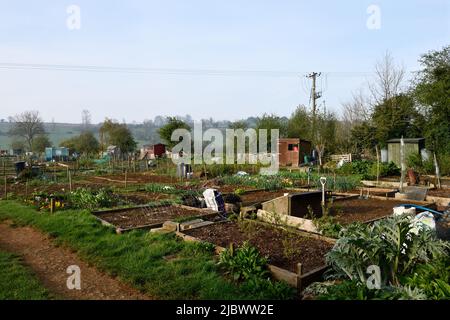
303 36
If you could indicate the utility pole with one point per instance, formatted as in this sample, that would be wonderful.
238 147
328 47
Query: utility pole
314 96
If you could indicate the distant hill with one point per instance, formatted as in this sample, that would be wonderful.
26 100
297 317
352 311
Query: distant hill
144 133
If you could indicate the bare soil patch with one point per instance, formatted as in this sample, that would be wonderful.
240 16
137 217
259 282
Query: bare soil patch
362 210
268 240
444 193
256 197
140 217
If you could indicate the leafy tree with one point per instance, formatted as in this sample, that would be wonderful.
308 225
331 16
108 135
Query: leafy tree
85 143
432 92
27 125
165 132
40 143
117 134
396 117
240 124
300 124
363 137
325 139
269 122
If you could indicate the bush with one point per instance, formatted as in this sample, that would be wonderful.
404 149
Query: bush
391 244
433 278
244 263
88 199
368 169
409 257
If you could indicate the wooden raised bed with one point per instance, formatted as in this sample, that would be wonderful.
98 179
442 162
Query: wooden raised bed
298 279
378 210
149 217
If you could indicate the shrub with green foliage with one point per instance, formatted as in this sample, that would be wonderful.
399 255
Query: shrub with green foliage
83 198
403 252
368 169
246 264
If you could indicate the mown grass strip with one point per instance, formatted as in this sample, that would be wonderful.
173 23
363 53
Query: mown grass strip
139 258
17 282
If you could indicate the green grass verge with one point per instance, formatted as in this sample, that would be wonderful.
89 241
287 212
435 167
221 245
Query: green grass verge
17 282
160 265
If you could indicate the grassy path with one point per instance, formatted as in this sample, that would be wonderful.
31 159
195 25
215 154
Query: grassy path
17 282
50 264
158 265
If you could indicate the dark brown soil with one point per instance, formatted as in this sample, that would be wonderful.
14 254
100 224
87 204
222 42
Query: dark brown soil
361 210
140 217
140 198
444 193
251 198
283 249
50 263
132 178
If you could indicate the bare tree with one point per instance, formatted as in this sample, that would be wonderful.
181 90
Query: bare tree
27 125
86 119
388 79
357 110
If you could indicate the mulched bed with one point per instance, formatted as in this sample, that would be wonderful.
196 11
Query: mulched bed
444 193
262 196
139 217
361 210
269 241
140 198
133 178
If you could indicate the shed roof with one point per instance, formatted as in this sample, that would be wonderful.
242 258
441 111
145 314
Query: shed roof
406 140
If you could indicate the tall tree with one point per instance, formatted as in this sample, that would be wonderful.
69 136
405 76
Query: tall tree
325 134
432 92
165 132
300 124
269 122
27 125
388 80
117 134
86 119
397 117
40 143
85 143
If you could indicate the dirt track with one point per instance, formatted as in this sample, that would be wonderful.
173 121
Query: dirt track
50 263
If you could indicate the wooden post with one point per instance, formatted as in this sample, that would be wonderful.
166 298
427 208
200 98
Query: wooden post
52 205
126 178
378 165
403 166
299 269
299 276
6 181
70 180
26 189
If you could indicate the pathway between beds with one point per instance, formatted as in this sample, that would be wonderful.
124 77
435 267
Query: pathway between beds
50 262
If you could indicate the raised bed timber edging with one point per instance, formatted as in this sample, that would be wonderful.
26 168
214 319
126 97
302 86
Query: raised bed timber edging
203 213
440 201
297 280
308 225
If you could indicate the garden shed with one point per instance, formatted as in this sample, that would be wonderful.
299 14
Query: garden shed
412 145
58 154
292 151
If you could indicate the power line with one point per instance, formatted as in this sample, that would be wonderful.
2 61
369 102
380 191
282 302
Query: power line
172 71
